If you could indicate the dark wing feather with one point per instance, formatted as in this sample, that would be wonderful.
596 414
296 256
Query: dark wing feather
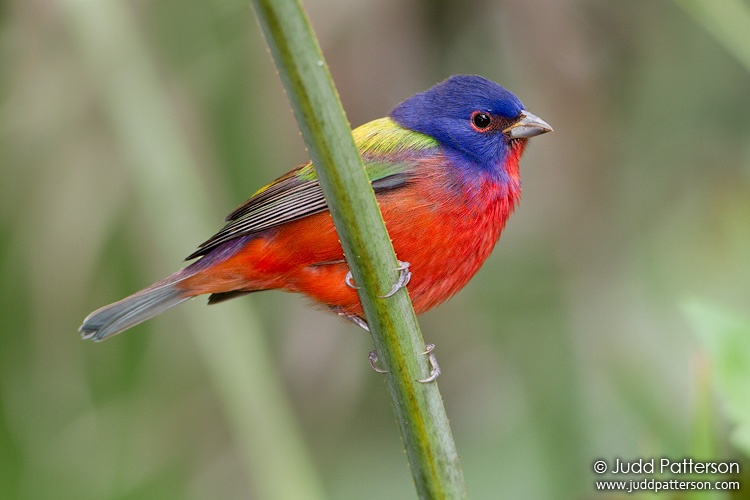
291 197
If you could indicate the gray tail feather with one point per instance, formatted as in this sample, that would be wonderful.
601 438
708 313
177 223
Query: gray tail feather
128 312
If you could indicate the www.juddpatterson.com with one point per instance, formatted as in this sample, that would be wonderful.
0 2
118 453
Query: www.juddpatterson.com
656 485
664 466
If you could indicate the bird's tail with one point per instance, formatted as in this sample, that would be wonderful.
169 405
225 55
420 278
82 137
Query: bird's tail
128 312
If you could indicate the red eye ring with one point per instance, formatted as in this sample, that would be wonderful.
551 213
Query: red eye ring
481 121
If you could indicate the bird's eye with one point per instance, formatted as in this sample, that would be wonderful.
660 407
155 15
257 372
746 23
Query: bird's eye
481 121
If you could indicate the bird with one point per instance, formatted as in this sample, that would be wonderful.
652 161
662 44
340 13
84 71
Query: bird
444 166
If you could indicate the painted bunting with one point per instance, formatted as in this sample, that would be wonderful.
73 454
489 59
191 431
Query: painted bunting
444 168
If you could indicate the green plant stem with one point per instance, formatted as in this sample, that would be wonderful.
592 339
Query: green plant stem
368 250
166 181
728 21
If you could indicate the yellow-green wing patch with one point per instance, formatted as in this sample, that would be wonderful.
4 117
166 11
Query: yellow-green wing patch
389 153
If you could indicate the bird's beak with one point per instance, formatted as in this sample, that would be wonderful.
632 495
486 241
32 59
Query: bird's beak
528 125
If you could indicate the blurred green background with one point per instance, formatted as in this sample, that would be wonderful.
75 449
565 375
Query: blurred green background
613 319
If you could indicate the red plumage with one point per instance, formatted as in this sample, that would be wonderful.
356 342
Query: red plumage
444 232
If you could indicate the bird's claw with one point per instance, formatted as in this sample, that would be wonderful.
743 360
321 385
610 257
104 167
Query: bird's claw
434 366
372 358
404 276
349 280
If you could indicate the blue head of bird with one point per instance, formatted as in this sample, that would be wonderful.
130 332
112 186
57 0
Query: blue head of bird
473 119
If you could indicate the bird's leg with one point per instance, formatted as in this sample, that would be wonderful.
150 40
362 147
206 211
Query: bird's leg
434 366
372 357
357 320
404 276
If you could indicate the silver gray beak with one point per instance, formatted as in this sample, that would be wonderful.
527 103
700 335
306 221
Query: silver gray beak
529 125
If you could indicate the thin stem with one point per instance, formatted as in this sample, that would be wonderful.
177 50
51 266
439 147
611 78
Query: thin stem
367 247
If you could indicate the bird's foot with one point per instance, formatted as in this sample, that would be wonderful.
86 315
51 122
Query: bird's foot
435 371
404 276
434 366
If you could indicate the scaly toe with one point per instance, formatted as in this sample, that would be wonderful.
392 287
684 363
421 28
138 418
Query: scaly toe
372 358
434 366
404 276
349 280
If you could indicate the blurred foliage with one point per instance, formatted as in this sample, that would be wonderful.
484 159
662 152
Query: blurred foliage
569 345
727 339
